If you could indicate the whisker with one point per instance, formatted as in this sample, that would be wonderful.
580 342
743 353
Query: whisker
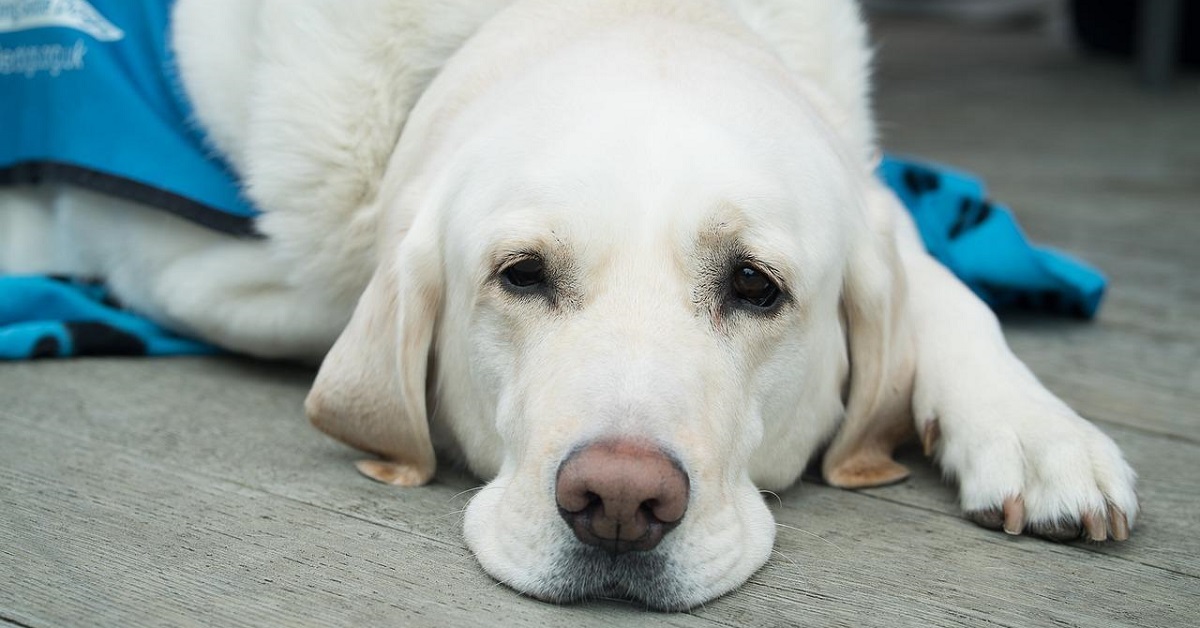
812 534
452 513
786 557
772 494
468 557
470 490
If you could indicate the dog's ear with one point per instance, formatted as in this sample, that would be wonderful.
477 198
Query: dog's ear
370 391
878 403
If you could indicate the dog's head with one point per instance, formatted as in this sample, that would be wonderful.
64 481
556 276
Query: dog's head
639 284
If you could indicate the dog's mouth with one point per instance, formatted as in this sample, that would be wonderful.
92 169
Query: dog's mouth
587 573
587 542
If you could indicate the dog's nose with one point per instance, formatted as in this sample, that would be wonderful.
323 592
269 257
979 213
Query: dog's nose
621 495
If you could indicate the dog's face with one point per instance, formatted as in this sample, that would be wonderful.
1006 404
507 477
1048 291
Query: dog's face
650 281
624 296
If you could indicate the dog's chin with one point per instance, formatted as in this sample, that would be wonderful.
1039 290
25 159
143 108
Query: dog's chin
550 564
651 579
578 573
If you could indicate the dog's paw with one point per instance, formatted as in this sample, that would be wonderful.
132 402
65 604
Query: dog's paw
1037 468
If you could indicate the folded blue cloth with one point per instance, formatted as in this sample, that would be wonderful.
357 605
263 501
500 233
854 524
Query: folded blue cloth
981 243
55 317
42 316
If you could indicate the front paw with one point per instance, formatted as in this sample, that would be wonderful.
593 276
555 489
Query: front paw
1043 471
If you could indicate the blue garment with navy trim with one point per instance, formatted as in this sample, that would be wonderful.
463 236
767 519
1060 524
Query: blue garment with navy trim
89 95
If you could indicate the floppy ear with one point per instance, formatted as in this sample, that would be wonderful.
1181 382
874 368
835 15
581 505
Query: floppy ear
370 391
882 365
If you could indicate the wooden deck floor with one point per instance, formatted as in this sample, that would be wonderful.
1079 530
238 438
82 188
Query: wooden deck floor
191 491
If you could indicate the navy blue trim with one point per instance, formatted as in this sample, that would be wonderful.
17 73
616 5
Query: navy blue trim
35 172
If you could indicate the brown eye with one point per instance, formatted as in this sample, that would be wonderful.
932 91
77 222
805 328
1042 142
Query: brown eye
754 287
527 273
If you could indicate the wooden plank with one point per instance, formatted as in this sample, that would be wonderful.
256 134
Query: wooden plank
95 535
1167 489
1086 161
221 452
1039 111
1114 374
213 416
1144 242
101 536
913 567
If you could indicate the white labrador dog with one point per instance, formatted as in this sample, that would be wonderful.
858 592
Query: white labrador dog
626 259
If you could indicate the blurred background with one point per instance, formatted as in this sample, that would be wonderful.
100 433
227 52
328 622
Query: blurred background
1097 155
1159 36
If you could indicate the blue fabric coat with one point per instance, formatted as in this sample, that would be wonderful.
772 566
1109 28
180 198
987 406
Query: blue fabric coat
89 96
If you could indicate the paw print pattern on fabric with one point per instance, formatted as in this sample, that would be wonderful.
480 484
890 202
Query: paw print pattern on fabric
47 316
981 243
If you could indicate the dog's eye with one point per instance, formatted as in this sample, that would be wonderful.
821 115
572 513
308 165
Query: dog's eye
527 273
754 287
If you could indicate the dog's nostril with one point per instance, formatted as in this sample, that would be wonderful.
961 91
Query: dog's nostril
621 495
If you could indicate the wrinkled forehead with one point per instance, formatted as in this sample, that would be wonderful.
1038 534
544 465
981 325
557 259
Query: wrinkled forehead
604 146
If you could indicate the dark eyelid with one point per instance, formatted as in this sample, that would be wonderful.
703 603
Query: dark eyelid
507 259
545 286
766 268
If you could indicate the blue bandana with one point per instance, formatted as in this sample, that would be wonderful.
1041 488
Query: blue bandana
91 97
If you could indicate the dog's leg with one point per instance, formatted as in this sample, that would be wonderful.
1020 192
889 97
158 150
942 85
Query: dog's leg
239 296
34 238
1023 459
233 292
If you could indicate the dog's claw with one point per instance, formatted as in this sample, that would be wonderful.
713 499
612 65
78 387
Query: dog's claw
1014 514
1096 527
1119 523
930 436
